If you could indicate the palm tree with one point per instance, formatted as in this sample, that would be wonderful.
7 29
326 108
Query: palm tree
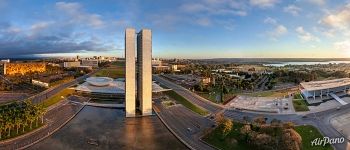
1 125
41 112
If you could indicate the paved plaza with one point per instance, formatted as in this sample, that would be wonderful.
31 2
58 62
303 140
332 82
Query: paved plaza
262 104
341 124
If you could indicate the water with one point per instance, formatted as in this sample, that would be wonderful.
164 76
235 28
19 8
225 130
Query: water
112 131
282 64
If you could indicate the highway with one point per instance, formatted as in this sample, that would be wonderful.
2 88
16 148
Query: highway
186 125
192 97
40 97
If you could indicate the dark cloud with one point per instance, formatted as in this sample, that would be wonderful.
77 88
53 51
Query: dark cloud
14 42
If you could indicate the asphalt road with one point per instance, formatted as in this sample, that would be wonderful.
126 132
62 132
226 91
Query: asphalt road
192 97
187 125
54 119
40 97
321 120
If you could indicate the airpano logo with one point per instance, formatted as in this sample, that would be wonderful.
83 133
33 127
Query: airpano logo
326 140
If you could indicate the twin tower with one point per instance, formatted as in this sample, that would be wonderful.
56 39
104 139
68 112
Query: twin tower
138 72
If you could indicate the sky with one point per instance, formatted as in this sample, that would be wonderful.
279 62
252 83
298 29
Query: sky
181 28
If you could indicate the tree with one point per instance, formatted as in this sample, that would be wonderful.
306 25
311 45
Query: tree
259 121
291 140
226 127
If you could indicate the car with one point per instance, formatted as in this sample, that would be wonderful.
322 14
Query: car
189 130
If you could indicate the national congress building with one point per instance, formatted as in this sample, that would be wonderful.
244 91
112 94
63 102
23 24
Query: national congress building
138 72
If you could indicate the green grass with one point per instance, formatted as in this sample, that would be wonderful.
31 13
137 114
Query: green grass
298 96
185 102
300 105
61 81
308 134
4 135
57 97
215 138
110 72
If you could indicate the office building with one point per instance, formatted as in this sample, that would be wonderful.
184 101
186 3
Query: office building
130 82
142 99
144 67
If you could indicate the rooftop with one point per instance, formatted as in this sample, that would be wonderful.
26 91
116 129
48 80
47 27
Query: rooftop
327 84
116 86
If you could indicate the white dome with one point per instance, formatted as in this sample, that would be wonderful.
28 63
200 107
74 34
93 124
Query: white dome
99 81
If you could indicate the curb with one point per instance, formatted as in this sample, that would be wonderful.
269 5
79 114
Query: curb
37 141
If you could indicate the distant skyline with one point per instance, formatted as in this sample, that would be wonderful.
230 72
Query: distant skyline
181 29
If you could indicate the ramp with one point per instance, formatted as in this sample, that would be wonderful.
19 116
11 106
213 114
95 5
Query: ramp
338 99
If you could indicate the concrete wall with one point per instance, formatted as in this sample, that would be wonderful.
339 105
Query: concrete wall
144 60
130 96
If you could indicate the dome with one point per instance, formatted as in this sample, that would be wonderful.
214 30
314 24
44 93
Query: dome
99 81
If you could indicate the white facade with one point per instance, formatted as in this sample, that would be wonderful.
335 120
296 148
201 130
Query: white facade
130 74
143 78
321 90
144 63
40 83
71 64
92 63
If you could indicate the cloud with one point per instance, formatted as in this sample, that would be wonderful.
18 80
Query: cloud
47 37
306 36
339 20
78 14
317 2
264 3
215 7
204 21
343 45
210 12
270 20
292 9
278 30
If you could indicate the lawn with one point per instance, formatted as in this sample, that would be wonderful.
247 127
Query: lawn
115 70
308 134
300 105
110 72
185 102
215 138
58 97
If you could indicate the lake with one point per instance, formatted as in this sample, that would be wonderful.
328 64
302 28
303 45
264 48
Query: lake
282 64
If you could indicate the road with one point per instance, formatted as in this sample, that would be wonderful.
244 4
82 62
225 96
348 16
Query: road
192 97
55 118
40 97
321 120
185 124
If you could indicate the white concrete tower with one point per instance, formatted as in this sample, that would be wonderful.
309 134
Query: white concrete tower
144 77
130 89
